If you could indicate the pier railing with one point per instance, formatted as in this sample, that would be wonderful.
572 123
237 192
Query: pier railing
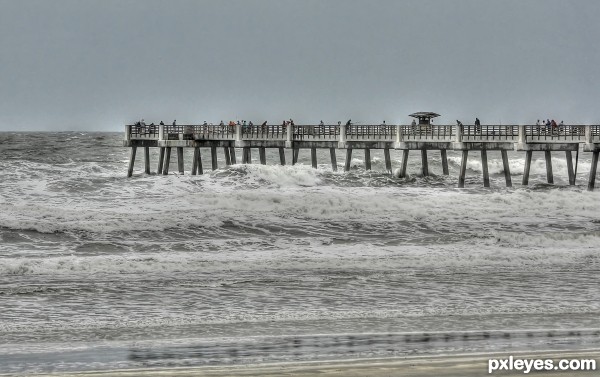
266 132
543 133
382 132
358 132
428 132
490 133
319 132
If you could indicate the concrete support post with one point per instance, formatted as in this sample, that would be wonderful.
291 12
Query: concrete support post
238 133
262 155
313 157
424 163
398 134
295 153
506 168
528 155
588 134
131 161
289 134
161 132
213 157
282 156
404 163
444 162
227 156
388 160
128 132
147 160
549 175
593 169
333 159
167 161
367 159
342 139
463 168
232 155
180 160
161 160
522 136
199 168
459 133
484 165
195 161
570 167
348 158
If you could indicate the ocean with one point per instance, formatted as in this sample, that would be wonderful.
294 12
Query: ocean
263 264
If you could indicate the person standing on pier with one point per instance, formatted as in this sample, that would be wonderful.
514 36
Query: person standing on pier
349 122
174 122
477 125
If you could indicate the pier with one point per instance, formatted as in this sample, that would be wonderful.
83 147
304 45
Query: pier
423 137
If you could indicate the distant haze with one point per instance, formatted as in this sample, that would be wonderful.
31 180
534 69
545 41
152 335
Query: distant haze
96 65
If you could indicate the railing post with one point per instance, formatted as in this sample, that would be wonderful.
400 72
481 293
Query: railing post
588 134
289 130
161 132
398 134
128 132
238 133
459 133
342 140
522 138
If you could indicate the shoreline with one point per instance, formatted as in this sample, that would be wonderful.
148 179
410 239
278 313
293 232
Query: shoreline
463 365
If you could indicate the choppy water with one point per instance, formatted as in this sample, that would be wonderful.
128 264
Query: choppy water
256 263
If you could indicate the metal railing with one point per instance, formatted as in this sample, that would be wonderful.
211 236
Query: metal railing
318 132
260 132
386 132
428 132
442 133
555 133
490 132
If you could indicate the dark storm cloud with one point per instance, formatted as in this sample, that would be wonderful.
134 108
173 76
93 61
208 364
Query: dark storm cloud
95 65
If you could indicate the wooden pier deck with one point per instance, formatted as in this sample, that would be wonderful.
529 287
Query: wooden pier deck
424 138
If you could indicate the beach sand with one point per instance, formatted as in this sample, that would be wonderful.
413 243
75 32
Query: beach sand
452 366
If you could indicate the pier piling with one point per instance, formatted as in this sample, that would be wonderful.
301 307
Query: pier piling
161 159
167 161
444 162
549 175
333 159
463 168
227 156
570 168
404 163
232 157
147 160
506 168
195 161
484 166
295 153
313 157
528 155
199 168
348 159
282 156
131 161
213 157
424 163
367 159
593 169
262 155
388 160
180 160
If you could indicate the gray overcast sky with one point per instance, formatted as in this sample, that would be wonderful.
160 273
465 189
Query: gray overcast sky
96 65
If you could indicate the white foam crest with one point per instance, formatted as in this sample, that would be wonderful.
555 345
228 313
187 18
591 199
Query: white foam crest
196 208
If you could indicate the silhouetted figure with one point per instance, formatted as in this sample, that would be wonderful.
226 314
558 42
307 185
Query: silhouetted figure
162 123
477 125
349 122
264 123
175 122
